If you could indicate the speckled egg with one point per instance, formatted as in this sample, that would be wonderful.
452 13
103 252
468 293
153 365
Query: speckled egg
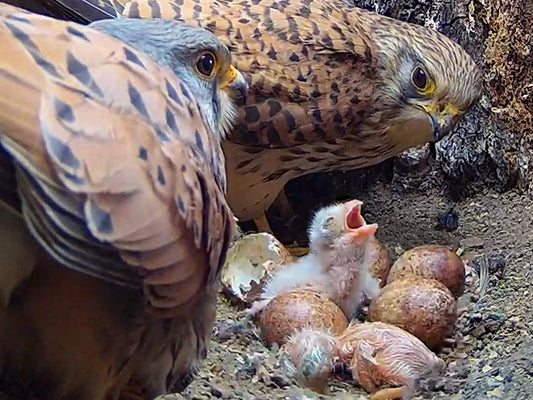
379 262
297 309
433 262
424 307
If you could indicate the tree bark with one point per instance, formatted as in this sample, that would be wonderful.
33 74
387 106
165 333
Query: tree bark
495 139
493 143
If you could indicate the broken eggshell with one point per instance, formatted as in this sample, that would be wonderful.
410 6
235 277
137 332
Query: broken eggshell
250 262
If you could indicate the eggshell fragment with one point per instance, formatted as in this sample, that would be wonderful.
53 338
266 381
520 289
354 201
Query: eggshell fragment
433 262
297 309
250 262
424 307
379 262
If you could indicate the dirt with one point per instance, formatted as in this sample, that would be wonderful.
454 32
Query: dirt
493 357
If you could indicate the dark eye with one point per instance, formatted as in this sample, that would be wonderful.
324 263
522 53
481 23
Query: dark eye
419 78
206 64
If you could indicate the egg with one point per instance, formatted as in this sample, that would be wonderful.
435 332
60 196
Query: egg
298 309
379 261
434 262
381 354
424 307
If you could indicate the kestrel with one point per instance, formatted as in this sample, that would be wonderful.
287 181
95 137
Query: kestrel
332 87
113 220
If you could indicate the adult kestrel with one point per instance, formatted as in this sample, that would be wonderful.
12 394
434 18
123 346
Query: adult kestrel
332 87
113 220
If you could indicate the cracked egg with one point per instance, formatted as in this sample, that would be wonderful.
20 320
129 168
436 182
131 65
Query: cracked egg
250 262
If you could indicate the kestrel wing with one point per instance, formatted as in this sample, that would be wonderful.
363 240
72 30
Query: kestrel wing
81 11
311 73
118 175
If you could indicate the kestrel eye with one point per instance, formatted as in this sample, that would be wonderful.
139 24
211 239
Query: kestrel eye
419 78
206 64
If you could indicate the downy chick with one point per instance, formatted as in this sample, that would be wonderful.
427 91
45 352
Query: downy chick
337 264
310 353
378 355
381 354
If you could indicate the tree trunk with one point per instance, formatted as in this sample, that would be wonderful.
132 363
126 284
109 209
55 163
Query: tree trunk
493 144
495 139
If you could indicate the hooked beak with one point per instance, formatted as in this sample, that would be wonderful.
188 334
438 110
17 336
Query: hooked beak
444 120
233 82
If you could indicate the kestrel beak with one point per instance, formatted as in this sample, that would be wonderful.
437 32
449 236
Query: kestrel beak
233 81
443 119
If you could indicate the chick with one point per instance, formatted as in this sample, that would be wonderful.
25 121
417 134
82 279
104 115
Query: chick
381 354
310 353
337 264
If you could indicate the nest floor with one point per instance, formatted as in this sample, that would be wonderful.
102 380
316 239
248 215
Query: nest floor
494 355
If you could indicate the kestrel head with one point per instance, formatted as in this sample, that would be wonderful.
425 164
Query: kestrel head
427 81
197 56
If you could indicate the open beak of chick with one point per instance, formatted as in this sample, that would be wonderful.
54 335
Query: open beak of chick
357 228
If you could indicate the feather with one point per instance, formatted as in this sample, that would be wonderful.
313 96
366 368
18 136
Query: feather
107 187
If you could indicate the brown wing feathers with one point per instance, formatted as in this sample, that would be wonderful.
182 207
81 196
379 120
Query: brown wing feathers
305 62
85 118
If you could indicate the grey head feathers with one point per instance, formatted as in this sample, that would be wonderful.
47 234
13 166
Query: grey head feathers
177 46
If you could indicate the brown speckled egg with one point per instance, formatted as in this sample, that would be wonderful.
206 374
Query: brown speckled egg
433 262
297 309
379 262
424 307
